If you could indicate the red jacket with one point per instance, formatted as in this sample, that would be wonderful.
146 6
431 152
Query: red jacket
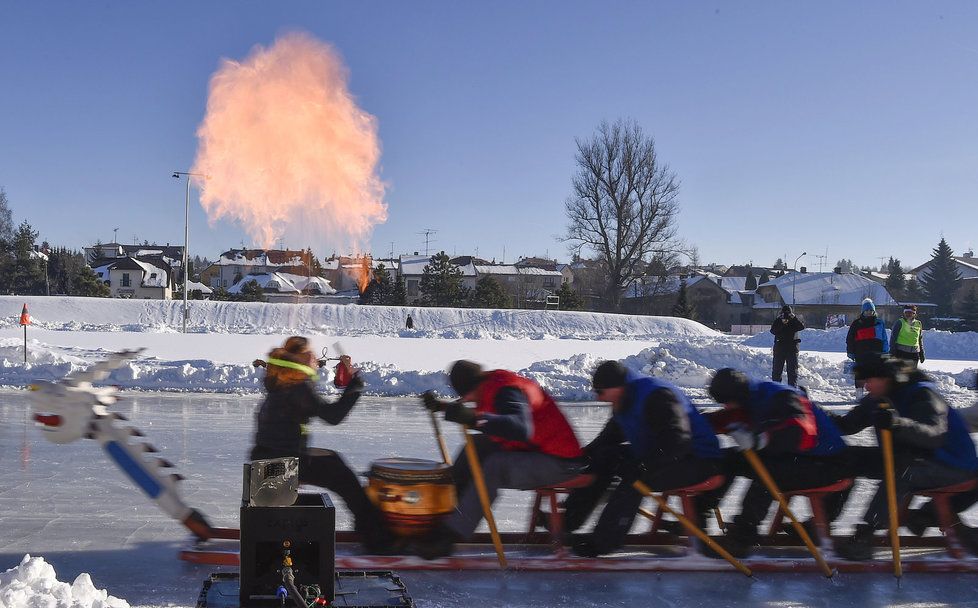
552 434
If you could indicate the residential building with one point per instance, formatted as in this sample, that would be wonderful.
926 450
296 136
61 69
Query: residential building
132 278
235 264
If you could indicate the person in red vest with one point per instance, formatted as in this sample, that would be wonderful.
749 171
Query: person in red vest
525 443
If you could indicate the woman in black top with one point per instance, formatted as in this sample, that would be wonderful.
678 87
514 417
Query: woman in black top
280 431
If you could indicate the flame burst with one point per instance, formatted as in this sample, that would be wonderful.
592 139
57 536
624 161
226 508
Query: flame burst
286 150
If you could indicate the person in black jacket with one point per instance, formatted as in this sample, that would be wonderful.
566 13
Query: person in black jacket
785 329
931 444
793 438
669 445
291 402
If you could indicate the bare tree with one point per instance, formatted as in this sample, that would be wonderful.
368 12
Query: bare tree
624 203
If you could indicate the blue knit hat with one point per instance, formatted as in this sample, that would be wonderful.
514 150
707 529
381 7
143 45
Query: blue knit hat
869 307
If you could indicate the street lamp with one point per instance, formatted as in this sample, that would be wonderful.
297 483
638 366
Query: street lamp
794 278
186 239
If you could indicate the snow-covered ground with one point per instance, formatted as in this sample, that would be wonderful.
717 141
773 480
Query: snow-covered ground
558 349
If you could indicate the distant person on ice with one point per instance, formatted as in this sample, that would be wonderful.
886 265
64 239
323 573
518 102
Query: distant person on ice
907 337
280 431
785 329
409 324
526 443
867 336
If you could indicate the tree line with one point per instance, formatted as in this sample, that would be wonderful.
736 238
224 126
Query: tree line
29 268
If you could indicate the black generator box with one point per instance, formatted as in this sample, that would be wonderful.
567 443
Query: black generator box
354 589
304 531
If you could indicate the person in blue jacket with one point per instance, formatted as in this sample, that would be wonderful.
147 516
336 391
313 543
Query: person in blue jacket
866 338
794 438
931 444
654 434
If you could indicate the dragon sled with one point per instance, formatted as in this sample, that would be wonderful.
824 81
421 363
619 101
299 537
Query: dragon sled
414 493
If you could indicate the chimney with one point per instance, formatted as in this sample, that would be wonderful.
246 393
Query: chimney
803 269
969 253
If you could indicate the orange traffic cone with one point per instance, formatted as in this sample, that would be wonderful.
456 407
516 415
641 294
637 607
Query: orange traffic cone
25 317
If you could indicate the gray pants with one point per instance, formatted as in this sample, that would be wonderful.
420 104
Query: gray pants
506 470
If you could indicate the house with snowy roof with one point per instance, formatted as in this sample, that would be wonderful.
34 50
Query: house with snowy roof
235 264
132 278
815 296
967 267
658 294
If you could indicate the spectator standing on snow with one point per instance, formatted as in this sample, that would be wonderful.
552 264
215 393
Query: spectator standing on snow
866 337
409 324
785 329
907 337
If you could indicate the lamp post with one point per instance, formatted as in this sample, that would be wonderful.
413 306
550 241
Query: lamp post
186 239
794 278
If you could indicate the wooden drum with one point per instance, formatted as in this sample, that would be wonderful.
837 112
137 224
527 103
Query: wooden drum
411 493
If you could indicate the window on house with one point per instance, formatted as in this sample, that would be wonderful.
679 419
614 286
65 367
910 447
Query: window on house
125 279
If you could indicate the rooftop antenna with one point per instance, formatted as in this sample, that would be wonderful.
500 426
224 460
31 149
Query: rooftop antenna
821 261
427 232
881 258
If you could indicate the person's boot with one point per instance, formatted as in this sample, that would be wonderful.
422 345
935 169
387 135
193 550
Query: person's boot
739 540
918 520
968 537
440 542
859 546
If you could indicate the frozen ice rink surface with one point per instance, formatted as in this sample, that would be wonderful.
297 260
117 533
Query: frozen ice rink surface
71 506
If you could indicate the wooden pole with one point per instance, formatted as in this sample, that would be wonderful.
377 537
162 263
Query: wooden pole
690 526
441 439
25 344
480 486
886 443
772 487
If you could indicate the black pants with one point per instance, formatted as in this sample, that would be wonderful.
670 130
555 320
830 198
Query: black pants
789 472
785 356
912 359
327 469
619 513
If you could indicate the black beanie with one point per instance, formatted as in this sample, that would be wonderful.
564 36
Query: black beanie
786 309
730 386
608 375
464 376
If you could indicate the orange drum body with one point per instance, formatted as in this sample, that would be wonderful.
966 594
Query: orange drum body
411 493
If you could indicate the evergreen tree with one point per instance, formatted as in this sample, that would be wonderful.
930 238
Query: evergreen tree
751 283
845 266
683 307
765 277
780 265
399 294
220 294
251 292
23 273
441 283
380 289
84 282
914 292
896 283
489 294
569 299
6 219
969 310
942 279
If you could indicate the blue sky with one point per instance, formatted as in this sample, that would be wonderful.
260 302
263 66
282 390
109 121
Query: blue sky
846 127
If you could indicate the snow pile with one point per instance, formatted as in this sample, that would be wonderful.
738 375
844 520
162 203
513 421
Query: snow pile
937 344
99 314
33 584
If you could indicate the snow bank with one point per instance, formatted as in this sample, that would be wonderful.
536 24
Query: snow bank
100 314
937 344
34 584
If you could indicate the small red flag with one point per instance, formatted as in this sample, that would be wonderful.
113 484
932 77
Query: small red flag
25 317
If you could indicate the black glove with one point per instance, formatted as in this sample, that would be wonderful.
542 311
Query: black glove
433 403
355 385
921 357
883 419
458 413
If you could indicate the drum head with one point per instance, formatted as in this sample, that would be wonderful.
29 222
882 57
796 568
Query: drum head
410 470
